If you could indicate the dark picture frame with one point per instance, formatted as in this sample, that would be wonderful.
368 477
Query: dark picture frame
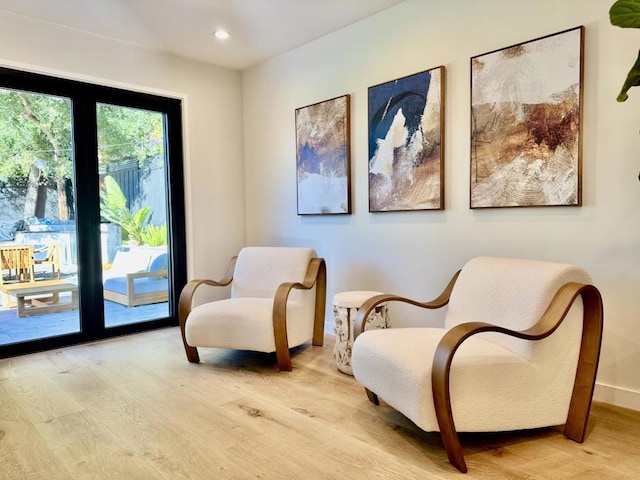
406 142
526 123
323 157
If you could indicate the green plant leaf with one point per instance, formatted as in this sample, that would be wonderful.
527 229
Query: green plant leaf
140 216
114 208
113 202
625 14
136 227
155 236
633 80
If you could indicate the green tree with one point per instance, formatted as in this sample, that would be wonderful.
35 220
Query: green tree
35 129
126 133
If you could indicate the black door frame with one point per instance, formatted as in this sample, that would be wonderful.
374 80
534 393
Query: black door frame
84 98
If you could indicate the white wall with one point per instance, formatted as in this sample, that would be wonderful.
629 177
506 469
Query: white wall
414 253
212 120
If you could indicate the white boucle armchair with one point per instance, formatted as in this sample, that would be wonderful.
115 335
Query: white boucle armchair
519 350
278 297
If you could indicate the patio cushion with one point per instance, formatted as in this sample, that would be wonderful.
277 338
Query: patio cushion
8 230
140 285
158 263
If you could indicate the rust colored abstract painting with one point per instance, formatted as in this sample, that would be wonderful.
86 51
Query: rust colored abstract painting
526 123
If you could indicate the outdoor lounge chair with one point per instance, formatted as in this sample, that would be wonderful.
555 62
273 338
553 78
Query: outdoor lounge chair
138 276
18 260
48 255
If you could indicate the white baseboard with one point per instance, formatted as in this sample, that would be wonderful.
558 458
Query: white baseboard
618 396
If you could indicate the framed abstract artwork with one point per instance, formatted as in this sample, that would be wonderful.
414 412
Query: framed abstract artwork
406 143
526 122
323 158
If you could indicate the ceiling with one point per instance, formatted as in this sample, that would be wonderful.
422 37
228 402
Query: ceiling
260 29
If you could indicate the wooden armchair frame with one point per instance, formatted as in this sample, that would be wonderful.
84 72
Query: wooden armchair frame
18 258
316 275
580 405
52 258
132 299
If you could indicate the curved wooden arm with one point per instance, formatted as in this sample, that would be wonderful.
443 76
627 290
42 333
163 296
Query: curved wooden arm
575 427
186 299
316 275
368 306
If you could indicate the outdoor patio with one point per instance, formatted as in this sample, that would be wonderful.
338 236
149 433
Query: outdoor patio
14 329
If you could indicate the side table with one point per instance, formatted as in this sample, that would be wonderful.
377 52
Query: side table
345 309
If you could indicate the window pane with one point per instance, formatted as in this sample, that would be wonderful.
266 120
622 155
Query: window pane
133 192
38 253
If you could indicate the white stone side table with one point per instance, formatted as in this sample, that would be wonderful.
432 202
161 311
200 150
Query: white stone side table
345 309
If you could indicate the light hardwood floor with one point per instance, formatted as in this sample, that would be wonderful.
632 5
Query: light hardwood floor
134 408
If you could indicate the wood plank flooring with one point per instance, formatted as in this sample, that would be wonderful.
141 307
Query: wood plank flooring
134 408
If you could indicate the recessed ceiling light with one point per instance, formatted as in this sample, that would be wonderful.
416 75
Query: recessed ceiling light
221 34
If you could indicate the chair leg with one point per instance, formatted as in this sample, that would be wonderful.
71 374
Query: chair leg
576 426
283 357
373 398
453 448
321 299
184 308
192 354
442 404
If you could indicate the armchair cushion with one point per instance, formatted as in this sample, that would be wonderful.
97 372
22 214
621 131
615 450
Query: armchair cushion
519 350
277 301
512 293
244 324
400 361
260 270
258 273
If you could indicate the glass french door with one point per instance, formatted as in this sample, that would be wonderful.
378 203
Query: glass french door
133 208
38 235
92 239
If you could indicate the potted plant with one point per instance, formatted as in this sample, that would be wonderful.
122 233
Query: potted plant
138 231
626 14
